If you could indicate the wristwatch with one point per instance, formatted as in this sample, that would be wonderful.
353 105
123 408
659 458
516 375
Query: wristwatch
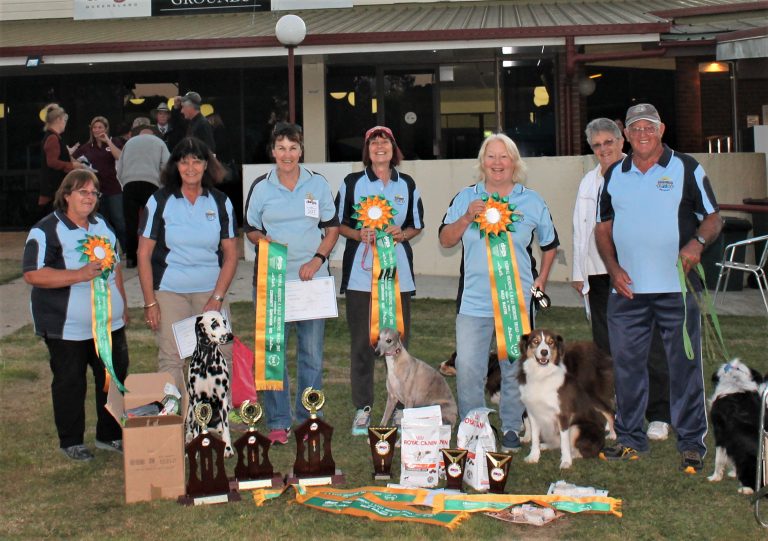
217 297
701 239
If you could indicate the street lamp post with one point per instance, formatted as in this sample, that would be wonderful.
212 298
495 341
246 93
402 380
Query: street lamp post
290 30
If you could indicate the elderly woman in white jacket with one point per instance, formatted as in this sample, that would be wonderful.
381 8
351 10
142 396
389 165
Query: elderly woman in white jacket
591 280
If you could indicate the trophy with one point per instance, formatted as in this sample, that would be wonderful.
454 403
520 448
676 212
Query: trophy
455 460
498 470
207 481
254 470
382 441
314 463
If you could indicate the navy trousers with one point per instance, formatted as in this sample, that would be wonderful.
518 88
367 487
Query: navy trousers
630 324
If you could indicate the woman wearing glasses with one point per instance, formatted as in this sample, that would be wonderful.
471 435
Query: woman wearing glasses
187 252
62 311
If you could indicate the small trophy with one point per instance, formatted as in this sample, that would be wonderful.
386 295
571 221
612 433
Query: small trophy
455 460
254 470
314 463
209 486
382 441
498 471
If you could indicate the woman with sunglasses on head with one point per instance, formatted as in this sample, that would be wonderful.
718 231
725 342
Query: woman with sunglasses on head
187 252
381 156
57 160
294 206
63 314
102 152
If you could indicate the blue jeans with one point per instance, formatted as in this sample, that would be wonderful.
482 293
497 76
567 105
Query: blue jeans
111 207
309 356
473 343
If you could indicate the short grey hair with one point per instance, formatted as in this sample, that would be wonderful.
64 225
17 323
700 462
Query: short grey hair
521 169
602 125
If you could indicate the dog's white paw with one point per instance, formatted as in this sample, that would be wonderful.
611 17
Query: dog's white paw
746 490
526 438
611 436
715 477
565 464
228 452
532 458
732 474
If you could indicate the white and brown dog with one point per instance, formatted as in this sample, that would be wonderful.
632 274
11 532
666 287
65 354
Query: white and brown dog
208 380
568 393
735 411
412 382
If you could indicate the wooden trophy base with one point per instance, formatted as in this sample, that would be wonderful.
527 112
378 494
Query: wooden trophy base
276 481
227 497
318 480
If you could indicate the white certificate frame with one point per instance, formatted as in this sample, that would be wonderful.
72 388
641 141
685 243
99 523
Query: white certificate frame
311 299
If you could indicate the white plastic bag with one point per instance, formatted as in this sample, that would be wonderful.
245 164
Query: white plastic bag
476 436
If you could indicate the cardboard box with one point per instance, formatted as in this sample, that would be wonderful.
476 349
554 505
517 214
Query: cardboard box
153 447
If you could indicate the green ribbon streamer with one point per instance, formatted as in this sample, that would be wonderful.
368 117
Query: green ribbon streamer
274 340
502 258
579 507
385 249
101 307
364 504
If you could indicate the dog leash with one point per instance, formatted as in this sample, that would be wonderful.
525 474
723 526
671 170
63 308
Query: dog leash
712 335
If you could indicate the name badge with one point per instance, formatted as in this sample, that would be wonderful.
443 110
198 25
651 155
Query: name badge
311 208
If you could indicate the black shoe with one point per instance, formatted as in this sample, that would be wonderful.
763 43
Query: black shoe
620 452
77 452
130 263
691 462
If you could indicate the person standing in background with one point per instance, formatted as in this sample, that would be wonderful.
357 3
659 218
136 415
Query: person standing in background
56 160
591 279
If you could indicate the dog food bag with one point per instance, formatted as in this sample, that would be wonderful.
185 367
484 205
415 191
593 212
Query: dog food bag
476 436
420 446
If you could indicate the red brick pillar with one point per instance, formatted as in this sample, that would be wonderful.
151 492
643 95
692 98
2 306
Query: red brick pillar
688 106
569 116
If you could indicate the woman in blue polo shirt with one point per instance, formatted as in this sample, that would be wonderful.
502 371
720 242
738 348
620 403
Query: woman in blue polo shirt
187 252
294 206
62 311
501 171
380 157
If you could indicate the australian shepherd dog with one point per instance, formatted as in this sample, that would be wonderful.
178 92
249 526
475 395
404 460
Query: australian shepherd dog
735 411
568 394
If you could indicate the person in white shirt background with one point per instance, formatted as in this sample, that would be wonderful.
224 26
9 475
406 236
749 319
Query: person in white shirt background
590 277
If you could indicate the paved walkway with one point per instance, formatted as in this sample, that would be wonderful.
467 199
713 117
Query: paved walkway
15 295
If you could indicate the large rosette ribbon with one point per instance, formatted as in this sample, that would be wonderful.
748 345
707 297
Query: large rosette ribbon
509 312
376 212
98 249
269 349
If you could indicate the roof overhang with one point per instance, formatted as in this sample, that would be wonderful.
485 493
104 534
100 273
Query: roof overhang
742 45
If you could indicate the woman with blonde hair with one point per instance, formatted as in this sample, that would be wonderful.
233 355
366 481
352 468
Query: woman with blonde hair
501 172
56 159
102 152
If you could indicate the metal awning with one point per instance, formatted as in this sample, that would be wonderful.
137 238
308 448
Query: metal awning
379 28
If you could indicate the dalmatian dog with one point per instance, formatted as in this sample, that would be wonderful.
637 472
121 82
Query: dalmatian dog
208 380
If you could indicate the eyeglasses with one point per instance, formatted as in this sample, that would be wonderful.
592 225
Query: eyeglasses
88 193
605 144
195 162
643 129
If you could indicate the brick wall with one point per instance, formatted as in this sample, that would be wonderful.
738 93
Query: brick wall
688 106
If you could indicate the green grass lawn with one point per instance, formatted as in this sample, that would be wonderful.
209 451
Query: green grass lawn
45 495
10 269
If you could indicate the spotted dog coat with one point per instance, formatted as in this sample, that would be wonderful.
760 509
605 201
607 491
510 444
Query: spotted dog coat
208 379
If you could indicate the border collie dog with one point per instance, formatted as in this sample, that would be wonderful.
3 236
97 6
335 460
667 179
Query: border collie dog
567 392
735 411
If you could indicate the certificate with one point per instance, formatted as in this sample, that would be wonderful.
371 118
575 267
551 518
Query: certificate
310 299
184 334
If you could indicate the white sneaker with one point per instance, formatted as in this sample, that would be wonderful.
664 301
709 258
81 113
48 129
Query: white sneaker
657 430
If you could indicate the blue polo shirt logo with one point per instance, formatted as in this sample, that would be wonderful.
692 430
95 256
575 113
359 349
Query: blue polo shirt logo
664 184
399 199
211 215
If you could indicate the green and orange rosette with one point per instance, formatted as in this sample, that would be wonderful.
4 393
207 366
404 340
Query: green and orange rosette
376 212
509 313
98 249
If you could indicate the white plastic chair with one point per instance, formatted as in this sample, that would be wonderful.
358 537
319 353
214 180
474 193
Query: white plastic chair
728 264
